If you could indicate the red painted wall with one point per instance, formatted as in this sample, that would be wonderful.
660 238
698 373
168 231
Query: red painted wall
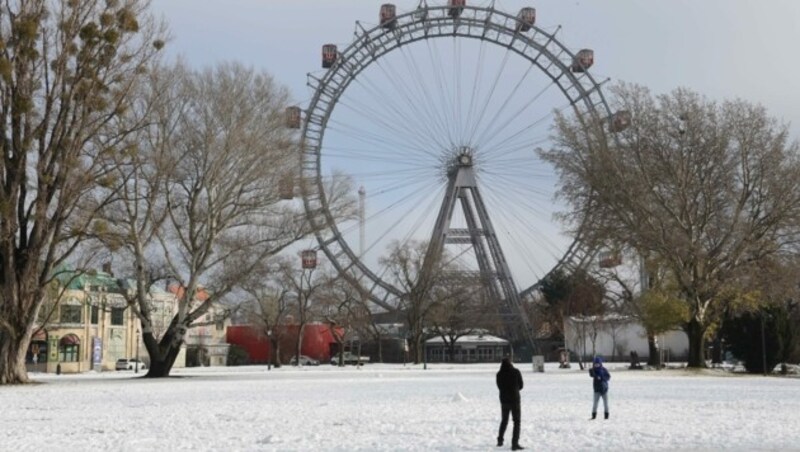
255 344
317 340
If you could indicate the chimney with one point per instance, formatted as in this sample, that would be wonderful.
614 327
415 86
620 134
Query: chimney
107 268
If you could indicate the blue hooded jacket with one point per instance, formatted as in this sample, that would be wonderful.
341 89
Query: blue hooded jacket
600 376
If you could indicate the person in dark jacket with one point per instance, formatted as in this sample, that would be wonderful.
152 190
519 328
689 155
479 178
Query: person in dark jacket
509 382
600 377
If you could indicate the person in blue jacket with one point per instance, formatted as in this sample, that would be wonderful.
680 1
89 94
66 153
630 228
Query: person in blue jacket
600 377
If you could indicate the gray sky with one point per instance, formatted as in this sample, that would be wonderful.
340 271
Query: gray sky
722 48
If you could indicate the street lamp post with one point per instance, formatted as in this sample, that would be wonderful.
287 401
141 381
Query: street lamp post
136 364
271 349
763 345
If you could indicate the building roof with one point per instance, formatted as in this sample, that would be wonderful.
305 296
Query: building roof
479 339
80 280
200 293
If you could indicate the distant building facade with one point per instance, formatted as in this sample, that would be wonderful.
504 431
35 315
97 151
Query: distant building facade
90 326
472 348
615 337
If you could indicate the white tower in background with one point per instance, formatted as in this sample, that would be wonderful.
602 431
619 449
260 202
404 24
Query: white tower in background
362 200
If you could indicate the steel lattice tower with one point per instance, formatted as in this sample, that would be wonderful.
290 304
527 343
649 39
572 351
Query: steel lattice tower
462 188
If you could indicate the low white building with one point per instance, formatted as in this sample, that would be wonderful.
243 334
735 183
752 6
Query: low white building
472 348
614 337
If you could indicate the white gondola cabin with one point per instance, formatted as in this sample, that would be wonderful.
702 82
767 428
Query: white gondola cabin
456 7
329 55
584 59
619 121
388 16
293 117
309 259
286 186
526 18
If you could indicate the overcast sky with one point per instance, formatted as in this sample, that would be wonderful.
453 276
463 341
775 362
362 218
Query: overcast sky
722 48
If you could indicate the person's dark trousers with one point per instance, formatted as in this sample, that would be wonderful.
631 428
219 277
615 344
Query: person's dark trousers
512 408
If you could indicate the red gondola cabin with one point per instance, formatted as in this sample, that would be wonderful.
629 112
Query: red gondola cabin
456 7
619 121
309 259
609 259
293 117
584 59
329 55
388 16
526 18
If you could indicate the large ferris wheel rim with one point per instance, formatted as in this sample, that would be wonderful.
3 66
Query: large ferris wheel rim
493 26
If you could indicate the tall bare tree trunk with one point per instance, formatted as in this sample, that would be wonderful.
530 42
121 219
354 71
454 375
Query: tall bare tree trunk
162 354
299 343
12 358
15 338
275 353
696 333
160 368
654 357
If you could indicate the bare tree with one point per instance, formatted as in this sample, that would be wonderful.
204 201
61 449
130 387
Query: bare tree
304 286
200 202
460 308
708 189
340 308
267 309
363 318
405 264
433 288
657 306
66 73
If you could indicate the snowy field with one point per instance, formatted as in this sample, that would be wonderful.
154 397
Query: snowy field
391 407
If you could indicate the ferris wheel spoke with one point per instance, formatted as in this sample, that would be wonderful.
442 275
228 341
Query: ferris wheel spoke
412 203
475 83
408 197
418 119
497 148
415 226
526 127
388 157
377 116
490 95
512 222
511 96
444 93
415 82
457 124
531 199
522 144
438 129
403 174
364 154
404 123
381 141
409 99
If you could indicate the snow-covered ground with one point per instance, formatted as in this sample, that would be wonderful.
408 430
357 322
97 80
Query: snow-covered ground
391 407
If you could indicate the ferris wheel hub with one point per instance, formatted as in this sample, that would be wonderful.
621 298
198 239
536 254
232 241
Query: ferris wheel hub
463 156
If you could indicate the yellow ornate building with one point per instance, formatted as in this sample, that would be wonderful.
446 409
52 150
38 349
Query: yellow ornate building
91 327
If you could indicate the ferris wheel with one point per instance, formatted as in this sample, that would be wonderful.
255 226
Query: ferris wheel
437 114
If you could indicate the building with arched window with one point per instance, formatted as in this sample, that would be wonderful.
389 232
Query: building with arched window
87 324
86 327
